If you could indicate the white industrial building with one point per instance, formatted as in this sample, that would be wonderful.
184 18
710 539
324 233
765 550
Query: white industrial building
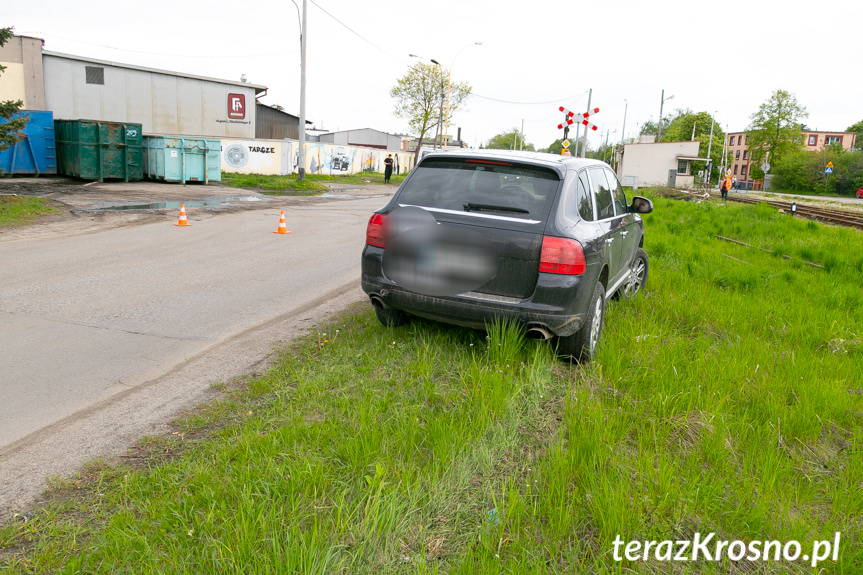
366 137
163 102
658 164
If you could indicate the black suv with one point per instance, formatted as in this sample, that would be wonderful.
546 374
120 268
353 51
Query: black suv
471 236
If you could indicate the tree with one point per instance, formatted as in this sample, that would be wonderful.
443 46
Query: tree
652 128
9 128
686 123
803 171
857 129
774 130
512 140
421 99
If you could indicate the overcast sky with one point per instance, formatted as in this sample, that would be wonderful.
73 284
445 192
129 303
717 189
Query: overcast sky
535 55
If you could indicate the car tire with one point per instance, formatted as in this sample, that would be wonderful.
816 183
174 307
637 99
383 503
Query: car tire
637 276
390 317
581 346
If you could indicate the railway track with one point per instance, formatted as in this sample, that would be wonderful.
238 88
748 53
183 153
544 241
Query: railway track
830 216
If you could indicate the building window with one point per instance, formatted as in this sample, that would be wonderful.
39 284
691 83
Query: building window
833 140
745 154
737 155
735 169
747 140
813 139
681 167
95 75
742 170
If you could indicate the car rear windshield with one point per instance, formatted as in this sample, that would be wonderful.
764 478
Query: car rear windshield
468 185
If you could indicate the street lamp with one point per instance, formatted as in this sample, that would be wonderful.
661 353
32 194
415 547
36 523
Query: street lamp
449 89
659 128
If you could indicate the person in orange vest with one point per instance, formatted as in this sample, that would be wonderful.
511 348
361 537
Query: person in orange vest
725 185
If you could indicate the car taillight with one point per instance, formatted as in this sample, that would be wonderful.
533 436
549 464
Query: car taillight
561 256
375 231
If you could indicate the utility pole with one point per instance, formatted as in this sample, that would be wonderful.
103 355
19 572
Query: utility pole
439 129
584 145
577 128
659 127
301 169
623 132
605 149
521 139
709 144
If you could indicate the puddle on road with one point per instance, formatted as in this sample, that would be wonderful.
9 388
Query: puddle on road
343 196
176 205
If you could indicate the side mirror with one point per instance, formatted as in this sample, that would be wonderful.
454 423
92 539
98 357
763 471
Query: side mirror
641 205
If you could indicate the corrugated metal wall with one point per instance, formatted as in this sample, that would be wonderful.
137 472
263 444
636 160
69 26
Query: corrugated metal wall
272 124
161 103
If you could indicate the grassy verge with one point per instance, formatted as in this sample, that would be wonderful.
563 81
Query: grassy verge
726 399
313 184
18 210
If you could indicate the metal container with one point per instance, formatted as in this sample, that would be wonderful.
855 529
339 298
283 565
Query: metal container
95 150
34 153
174 159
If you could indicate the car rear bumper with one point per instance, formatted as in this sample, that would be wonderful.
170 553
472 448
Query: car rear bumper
552 306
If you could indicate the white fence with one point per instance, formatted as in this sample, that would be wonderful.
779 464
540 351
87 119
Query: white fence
281 157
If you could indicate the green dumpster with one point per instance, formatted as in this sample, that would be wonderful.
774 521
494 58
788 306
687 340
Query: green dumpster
94 150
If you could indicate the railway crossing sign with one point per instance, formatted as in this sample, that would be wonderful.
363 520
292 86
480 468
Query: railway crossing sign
567 118
586 115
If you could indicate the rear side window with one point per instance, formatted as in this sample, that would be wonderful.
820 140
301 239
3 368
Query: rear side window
601 194
517 190
616 193
583 198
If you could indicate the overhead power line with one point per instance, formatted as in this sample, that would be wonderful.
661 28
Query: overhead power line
557 101
358 35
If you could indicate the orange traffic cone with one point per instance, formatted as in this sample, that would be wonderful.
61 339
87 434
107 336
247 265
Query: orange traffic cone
283 229
183 221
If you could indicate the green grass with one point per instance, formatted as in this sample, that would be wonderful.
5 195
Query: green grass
726 399
313 184
19 210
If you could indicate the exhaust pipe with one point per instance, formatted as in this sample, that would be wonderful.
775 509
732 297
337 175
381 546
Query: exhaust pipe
539 332
377 301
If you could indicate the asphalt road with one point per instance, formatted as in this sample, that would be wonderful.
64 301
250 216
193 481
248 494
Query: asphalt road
105 334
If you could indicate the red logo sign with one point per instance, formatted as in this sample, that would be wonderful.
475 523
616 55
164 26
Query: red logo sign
237 106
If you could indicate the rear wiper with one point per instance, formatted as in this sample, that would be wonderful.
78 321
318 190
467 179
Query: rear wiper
470 206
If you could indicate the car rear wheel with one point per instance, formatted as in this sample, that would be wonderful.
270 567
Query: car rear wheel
581 346
637 275
390 317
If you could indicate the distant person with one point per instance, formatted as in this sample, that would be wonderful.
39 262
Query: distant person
734 183
388 168
724 186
